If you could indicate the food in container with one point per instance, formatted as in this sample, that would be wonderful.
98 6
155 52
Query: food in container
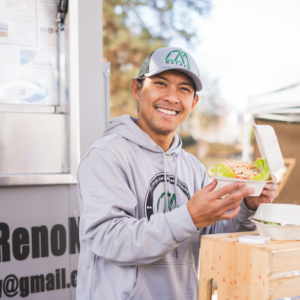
284 214
259 170
254 175
278 221
268 223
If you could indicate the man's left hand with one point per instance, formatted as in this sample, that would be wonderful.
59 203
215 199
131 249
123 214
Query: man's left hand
268 194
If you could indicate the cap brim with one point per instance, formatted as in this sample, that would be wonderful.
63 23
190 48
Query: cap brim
189 73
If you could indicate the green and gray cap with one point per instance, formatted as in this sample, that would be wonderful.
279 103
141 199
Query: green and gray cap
171 58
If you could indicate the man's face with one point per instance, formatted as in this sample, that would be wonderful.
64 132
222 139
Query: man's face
165 101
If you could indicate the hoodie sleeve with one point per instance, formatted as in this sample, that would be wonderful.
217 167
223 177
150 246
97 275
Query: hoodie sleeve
108 215
238 224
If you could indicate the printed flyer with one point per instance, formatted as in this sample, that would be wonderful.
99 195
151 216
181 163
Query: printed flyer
28 52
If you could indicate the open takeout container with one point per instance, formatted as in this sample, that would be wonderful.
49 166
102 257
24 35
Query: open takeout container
269 149
287 215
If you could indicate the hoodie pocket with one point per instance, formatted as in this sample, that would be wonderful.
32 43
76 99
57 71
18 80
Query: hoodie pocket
166 282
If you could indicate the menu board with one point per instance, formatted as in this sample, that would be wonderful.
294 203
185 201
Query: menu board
28 52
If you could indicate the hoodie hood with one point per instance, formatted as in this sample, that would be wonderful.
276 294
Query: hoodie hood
126 127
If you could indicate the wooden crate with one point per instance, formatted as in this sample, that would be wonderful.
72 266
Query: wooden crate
248 271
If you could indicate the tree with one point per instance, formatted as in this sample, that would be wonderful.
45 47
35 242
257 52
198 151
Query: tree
132 29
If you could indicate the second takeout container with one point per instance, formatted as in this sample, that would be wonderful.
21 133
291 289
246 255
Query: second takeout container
288 215
278 232
269 149
285 214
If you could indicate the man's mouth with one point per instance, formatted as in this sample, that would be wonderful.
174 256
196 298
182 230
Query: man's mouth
167 111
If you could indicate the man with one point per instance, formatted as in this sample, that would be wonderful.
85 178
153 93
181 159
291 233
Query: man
145 202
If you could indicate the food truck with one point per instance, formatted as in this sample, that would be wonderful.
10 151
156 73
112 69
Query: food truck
53 106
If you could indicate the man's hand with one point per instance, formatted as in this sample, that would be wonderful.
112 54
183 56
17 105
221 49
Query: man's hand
268 194
207 206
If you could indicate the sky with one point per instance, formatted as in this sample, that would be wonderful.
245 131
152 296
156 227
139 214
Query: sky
251 46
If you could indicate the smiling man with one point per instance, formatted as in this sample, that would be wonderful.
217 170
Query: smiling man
145 202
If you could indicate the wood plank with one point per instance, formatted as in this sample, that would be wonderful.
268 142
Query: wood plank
260 270
247 271
285 261
205 275
226 235
244 271
280 246
284 287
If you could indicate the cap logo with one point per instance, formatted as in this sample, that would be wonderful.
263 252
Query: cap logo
178 57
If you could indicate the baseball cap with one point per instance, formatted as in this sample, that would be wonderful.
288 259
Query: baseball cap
171 58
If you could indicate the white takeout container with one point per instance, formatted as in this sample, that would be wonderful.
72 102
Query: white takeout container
285 214
255 184
288 215
269 149
278 232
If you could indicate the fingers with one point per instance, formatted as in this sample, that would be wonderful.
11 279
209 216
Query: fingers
210 187
235 199
231 206
271 186
231 215
226 190
274 179
269 193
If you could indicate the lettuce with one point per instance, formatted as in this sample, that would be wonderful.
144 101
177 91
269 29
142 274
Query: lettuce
222 170
272 223
268 223
264 169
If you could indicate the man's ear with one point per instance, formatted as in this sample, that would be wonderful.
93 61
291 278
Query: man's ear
135 90
195 101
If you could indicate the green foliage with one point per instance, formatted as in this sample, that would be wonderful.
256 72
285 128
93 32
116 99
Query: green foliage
132 29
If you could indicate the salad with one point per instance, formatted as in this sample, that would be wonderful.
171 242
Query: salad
268 223
259 170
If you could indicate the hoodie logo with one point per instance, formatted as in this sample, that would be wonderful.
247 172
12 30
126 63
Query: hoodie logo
179 58
155 198
170 202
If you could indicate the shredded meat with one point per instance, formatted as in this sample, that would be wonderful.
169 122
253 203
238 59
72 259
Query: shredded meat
243 169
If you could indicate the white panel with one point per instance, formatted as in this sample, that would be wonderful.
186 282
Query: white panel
92 104
31 143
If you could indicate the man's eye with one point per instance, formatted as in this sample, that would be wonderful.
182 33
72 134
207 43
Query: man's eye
185 89
160 83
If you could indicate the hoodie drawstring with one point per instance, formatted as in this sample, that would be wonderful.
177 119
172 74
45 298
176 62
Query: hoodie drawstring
175 159
166 183
167 187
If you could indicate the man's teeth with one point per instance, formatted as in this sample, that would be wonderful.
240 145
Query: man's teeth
167 112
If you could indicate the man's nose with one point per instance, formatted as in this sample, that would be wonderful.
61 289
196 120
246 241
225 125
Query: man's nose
171 95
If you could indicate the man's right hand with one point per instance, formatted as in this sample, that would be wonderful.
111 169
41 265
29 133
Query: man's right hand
207 206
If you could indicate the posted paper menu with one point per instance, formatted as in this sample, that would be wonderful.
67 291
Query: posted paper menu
28 52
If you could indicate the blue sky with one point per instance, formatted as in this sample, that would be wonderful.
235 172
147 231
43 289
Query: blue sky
252 47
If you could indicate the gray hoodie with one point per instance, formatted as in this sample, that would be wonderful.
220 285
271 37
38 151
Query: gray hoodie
137 242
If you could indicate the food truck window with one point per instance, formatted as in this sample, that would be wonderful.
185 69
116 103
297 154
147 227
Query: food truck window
37 136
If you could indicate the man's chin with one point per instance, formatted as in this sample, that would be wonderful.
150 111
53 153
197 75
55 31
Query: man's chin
165 130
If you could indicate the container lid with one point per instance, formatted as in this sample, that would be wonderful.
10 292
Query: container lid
285 214
268 146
